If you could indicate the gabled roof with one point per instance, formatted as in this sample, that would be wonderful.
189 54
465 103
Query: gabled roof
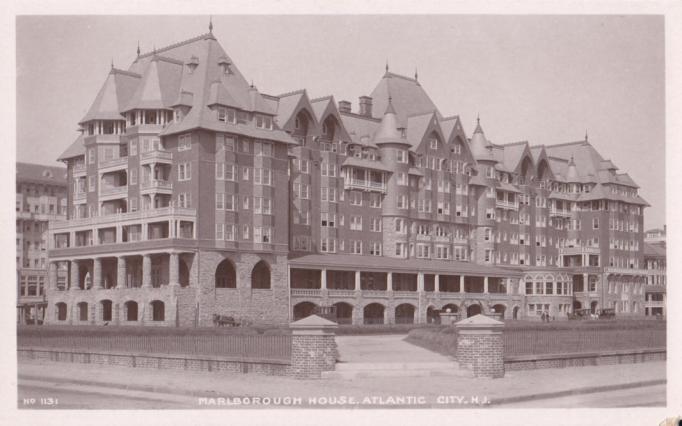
420 126
159 85
116 92
289 106
360 129
408 97
325 107
39 173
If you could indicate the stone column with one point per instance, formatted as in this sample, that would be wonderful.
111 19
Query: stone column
75 276
120 272
480 347
323 279
52 278
357 280
313 347
146 271
119 233
420 282
586 289
485 285
461 283
173 269
97 273
389 281
436 283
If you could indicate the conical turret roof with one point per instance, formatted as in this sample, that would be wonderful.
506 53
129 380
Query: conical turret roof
388 129
480 147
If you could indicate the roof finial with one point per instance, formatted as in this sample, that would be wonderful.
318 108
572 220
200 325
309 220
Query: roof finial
112 63
138 48
252 83
210 24
585 135
416 75
386 64
478 118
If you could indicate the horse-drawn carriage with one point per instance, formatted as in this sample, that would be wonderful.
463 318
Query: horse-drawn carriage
224 320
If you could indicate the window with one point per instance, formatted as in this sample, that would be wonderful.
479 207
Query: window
262 205
442 252
245 173
262 176
356 198
219 201
302 190
328 245
400 249
401 201
184 171
356 247
245 202
423 251
133 147
263 149
184 200
356 223
220 171
263 121
595 223
229 232
402 179
219 231
262 234
375 224
303 166
400 226
184 142
133 176
401 156
328 194
91 184
549 288
433 143
375 249
91 155
375 200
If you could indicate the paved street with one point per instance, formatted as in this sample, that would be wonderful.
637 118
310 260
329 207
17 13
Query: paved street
648 396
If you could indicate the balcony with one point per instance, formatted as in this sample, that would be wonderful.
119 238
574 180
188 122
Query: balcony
365 185
79 169
119 218
559 213
509 205
341 293
162 186
79 196
625 271
114 164
156 156
113 192
569 251
306 292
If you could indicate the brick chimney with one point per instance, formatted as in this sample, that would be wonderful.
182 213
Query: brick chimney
366 106
344 106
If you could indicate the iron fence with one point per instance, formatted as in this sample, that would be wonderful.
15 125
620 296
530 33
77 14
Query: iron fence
262 347
536 341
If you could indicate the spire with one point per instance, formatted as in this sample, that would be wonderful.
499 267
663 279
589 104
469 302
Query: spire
138 48
210 24
478 129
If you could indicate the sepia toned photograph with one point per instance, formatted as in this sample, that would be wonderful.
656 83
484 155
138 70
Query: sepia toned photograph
300 212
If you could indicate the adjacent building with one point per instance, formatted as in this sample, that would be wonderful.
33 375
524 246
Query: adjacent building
655 262
41 198
192 194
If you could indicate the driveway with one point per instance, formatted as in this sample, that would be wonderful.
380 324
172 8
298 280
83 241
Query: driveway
384 348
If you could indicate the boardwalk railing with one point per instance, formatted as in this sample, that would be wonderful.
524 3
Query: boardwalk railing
257 347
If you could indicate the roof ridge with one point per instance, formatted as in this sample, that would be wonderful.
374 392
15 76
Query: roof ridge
167 59
356 115
514 143
422 114
392 74
452 117
551 157
321 98
272 97
178 44
567 143
293 92
124 72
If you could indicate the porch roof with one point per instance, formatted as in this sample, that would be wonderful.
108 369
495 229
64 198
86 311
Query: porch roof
388 264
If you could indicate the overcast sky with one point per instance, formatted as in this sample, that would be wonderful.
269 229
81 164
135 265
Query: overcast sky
542 79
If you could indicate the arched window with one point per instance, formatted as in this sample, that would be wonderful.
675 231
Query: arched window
158 310
404 314
225 275
105 307
184 274
373 313
303 310
130 311
61 311
260 276
82 311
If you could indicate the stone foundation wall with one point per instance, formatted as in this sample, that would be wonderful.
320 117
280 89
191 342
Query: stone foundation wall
533 362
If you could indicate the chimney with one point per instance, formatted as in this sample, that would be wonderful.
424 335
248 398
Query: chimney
344 106
366 106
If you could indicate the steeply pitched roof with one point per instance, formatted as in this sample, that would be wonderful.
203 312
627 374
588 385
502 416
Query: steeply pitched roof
408 97
76 149
39 173
113 96
159 85
359 128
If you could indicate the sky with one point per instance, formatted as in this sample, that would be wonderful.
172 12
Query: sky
544 79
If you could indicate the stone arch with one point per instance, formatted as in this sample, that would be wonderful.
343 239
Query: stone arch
432 315
515 312
60 311
302 122
225 274
260 275
404 313
303 310
527 168
331 125
594 305
499 308
474 309
373 313
344 312
453 308
543 170
183 274
106 309
130 310
82 308
158 309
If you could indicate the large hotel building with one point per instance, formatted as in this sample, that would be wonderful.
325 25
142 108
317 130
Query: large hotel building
191 194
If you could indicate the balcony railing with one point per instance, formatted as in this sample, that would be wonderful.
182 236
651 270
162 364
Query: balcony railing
506 204
560 212
157 184
156 155
121 161
341 293
114 190
365 185
79 168
306 292
78 196
130 216
578 250
625 271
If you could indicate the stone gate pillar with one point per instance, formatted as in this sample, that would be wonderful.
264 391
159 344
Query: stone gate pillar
480 346
313 347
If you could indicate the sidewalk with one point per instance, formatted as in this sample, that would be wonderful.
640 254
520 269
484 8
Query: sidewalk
445 392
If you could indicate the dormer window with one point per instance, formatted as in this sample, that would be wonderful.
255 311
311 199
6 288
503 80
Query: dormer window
225 65
433 143
263 122
324 129
297 123
192 64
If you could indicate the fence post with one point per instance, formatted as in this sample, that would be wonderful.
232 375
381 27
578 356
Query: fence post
480 347
313 347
